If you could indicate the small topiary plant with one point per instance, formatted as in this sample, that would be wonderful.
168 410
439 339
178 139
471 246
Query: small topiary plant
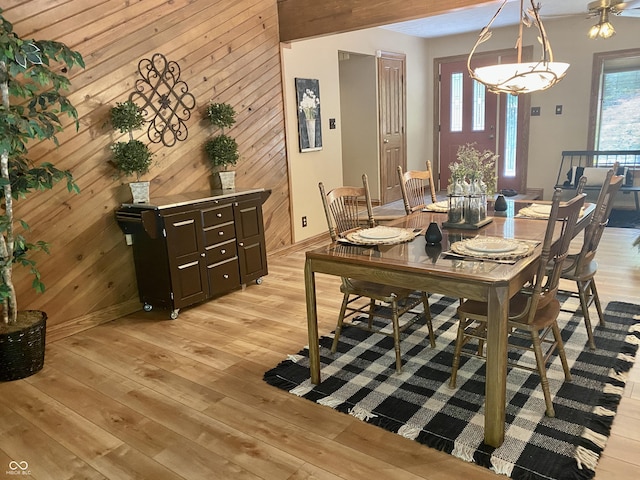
132 157
221 150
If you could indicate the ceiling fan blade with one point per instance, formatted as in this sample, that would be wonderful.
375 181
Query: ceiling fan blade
630 12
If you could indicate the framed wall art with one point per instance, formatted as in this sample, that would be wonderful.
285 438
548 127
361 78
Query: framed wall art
309 121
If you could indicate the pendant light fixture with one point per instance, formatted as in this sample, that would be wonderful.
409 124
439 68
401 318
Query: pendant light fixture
516 78
604 28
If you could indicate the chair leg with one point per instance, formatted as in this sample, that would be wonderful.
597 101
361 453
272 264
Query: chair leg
561 353
427 314
542 372
372 308
343 309
396 335
456 353
596 300
583 289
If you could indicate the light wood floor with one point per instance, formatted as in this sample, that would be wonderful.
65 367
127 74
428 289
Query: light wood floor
150 398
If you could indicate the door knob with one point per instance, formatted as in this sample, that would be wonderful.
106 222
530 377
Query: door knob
385 140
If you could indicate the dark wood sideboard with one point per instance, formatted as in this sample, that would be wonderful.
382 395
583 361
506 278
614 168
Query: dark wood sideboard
190 247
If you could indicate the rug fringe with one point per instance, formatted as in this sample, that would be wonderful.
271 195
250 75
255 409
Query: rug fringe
620 376
463 452
301 390
586 458
409 431
596 438
613 390
362 414
330 401
633 340
603 412
626 358
501 467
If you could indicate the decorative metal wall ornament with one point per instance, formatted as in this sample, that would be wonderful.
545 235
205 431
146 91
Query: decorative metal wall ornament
165 99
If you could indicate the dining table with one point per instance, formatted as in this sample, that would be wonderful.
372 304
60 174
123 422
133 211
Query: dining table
437 269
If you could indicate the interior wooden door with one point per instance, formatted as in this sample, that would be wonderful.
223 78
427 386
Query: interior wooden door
392 116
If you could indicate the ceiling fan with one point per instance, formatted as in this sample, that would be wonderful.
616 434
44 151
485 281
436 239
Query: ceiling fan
603 8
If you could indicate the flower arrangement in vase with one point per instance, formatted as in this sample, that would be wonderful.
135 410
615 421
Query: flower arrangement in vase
473 177
309 107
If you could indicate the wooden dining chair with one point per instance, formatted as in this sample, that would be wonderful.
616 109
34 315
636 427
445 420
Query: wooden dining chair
413 185
343 207
533 312
582 267
581 184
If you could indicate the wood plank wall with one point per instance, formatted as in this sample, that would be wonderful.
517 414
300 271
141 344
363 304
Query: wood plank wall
228 51
310 18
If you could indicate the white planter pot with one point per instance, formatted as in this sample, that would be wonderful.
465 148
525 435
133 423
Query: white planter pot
140 192
225 180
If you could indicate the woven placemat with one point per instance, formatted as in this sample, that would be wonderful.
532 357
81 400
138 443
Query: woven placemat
380 235
517 248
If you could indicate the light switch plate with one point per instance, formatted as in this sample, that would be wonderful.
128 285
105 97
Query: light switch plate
535 111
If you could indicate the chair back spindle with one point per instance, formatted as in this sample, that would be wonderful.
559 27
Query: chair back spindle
413 185
343 207
599 220
564 215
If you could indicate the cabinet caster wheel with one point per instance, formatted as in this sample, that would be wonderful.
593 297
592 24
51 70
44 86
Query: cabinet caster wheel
174 314
259 281
147 307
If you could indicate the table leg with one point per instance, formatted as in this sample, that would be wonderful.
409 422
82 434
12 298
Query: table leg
496 376
312 323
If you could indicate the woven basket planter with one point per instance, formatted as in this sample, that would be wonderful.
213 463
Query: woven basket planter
22 350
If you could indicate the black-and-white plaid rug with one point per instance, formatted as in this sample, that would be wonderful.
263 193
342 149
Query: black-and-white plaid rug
418 404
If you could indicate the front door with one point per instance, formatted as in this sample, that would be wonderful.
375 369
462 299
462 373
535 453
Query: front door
468 114
392 116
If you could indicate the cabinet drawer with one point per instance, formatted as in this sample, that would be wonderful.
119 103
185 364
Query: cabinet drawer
217 215
222 251
219 234
223 277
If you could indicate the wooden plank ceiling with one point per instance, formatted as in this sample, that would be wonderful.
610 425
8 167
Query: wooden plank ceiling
310 18
228 51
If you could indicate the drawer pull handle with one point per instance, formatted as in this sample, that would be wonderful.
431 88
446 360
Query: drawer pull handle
223 251
202 255
219 215
221 233
225 276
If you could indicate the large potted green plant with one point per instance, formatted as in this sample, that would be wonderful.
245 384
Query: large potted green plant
131 157
32 101
222 150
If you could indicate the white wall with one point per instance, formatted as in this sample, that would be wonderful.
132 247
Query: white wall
318 58
550 134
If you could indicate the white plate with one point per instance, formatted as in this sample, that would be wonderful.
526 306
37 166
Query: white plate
438 206
491 245
379 233
541 209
